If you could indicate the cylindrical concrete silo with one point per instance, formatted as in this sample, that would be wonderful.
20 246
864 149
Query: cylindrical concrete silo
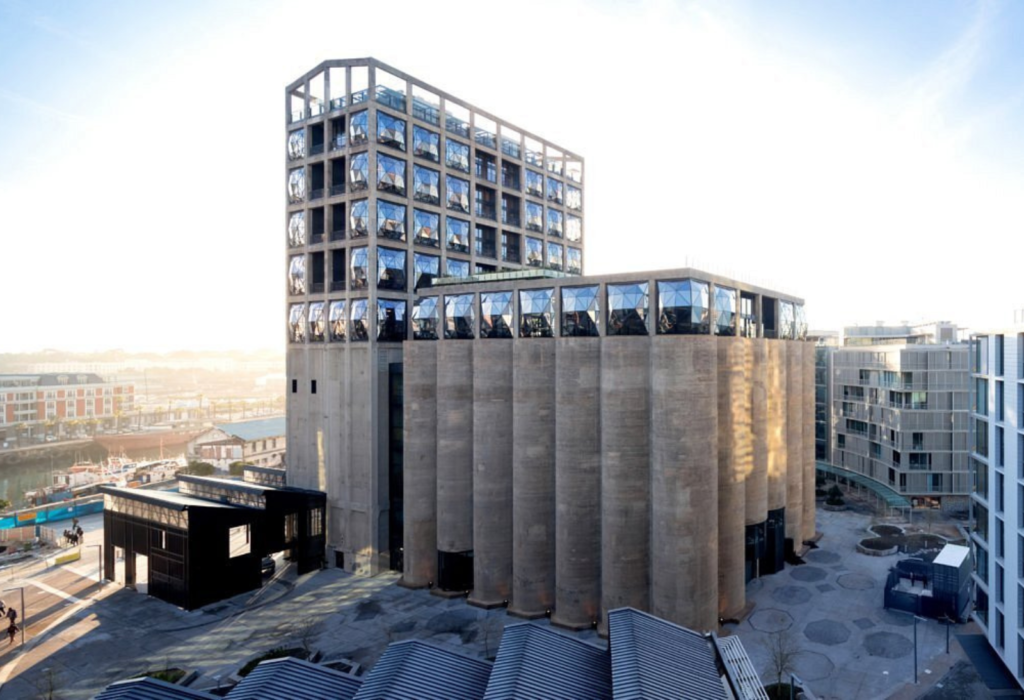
809 514
419 477
756 491
533 477
777 434
577 483
492 472
454 448
794 441
735 463
625 474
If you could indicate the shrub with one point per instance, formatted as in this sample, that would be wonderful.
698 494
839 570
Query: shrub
835 497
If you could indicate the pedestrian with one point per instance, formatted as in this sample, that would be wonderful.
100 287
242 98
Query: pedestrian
3 608
12 614
78 531
12 631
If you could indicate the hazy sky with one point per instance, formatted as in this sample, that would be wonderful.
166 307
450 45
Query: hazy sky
868 156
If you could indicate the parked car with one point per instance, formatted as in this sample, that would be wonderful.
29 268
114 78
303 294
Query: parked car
268 566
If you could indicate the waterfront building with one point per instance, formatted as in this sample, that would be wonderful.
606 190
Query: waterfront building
258 442
34 405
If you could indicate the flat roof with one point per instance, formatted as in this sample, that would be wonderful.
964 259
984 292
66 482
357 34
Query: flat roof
952 555
167 499
238 485
255 429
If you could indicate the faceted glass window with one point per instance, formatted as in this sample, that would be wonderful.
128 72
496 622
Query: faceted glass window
426 144
359 218
536 313
801 322
390 320
458 235
554 256
574 198
573 228
317 322
391 220
787 320
426 185
554 190
684 307
457 268
534 252
359 264
627 309
496 315
297 229
534 183
574 261
297 323
426 318
336 321
458 316
296 185
458 193
534 217
359 172
580 311
554 223
359 327
297 144
725 311
359 128
390 174
456 155
390 131
426 268
426 226
297 275
390 269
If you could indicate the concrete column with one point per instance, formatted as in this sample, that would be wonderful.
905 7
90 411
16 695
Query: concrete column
577 483
454 446
756 486
492 472
533 477
777 414
794 441
419 478
684 480
809 510
625 470
735 464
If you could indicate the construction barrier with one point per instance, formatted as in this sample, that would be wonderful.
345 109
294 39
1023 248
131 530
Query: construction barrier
67 557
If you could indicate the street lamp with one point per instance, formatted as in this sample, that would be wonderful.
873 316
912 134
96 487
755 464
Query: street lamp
24 615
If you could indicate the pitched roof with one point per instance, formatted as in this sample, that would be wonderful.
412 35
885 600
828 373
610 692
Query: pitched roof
416 670
290 677
147 688
538 662
652 658
256 429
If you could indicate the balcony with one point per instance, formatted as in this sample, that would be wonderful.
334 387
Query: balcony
510 218
456 126
511 256
509 182
315 238
316 149
360 96
426 111
485 210
316 193
486 138
337 103
316 287
337 189
339 141
486 250
337 285
510 148
338 234
392 98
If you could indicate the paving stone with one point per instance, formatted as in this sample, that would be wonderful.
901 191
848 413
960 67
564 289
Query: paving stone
823 556
813 666
791 595
888 645
808 574
830 632
771 620
855 582
825 587
864 623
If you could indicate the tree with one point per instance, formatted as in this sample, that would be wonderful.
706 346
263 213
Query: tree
200 468
236 468
307 630
835 496
782 653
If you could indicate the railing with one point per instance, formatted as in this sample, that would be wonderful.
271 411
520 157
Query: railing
339 141
337 285
510 148
509 182
315 238
392 98
486 138
316 193
487 171
337 189
511 256
533 158
316 149
485 210
509 218
488 251
337 103
425 240
458 247
338 234
297 117
360 96
316 287
456 126
426 112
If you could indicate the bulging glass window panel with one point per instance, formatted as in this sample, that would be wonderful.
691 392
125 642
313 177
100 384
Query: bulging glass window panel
627 309
684 307
574 261
580 311
457 194
359 325
574 170
534 252
297 185
390 269
459 320
297 275
534 217
297 144
554 190
390 131
359 218
536 313
574 198
456 155
573 228
554 256
297 323
426 185
391 220
426 228
496 315
426 144
359 262
426 319
457 268
554 223
317 322
725 311
458 235
390 320
359 172
534 183
336 320
390 174
801 322
426 267
787 320
359 128
297 229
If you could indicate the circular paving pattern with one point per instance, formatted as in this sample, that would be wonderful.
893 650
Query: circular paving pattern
807 574
855 582
791 595
887 617
771 620
830 632
888 645
813 666
821 556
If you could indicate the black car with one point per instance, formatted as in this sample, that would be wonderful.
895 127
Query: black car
268 566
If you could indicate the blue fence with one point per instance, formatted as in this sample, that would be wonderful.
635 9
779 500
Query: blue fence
51 513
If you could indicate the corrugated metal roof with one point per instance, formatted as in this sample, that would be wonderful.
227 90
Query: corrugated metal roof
538 662
150 689
294 678
416 670
735 658
653 658
256 429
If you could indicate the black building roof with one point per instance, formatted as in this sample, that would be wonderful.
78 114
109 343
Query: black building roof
167 499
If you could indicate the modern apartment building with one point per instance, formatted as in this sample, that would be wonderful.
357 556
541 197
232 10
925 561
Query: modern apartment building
997 453
825 343
390 183
899 410
37 404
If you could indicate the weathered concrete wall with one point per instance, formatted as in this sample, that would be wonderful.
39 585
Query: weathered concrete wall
756 485
794 440
807 444
577 482
455 446
777 433
735 462
419 478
